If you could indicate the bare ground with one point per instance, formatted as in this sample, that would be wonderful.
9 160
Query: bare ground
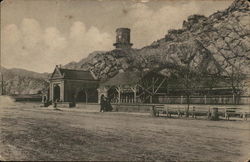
29 132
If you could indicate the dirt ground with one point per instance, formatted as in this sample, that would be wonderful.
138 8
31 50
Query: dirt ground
29 132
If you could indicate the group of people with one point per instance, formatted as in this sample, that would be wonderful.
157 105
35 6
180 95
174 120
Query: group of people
105 104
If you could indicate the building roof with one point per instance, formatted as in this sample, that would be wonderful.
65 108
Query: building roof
72 74
123 78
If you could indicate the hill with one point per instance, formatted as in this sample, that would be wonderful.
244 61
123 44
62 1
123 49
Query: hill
20 81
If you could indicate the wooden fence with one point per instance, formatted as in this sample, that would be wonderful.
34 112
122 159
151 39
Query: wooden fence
208 100
219 99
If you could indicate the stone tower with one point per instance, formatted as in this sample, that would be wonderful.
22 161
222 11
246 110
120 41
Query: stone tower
123 38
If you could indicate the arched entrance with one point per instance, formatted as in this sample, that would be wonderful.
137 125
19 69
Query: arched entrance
92 95
56 95
113 94
87 96
82 96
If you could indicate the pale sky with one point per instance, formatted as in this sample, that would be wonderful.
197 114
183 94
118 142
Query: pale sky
38 34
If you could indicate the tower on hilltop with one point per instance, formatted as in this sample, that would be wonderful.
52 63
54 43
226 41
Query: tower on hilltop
123 38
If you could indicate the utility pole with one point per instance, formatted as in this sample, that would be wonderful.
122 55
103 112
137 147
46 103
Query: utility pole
2 86
1 73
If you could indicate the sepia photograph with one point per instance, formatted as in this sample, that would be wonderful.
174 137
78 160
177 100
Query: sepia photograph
125 80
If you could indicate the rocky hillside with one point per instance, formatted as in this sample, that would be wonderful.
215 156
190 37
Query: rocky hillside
20 81
214 44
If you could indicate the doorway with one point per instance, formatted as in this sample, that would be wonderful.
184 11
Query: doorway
56 96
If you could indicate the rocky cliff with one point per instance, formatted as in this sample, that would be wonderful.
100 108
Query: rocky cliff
211 44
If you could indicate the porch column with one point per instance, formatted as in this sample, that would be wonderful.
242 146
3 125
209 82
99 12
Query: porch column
62 91
134 90
86 95
51 91
118 89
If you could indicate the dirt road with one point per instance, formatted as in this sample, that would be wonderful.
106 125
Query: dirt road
29 132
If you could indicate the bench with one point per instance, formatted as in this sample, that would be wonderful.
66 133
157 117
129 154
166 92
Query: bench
164 109
159 109
230 112
200 111
175 111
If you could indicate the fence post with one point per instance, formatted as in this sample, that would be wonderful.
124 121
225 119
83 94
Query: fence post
181 99
208 113
193 113
205 99
153 111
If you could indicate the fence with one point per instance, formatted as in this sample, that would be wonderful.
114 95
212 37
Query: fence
218 99
209 100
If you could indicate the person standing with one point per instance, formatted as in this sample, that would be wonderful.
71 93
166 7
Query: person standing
102 103
108 104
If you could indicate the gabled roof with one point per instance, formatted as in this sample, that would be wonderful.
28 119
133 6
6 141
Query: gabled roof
129 78
60 73
123 78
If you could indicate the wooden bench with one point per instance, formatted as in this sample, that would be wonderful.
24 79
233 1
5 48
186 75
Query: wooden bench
175 111
165 109
229 112
200 111
159 109
180 111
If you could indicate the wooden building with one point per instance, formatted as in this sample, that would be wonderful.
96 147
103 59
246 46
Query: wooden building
133 87
68 85
157 87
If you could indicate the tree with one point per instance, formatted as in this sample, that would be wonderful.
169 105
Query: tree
231 51
188 72
189 81
235 78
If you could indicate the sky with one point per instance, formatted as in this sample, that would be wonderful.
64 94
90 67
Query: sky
38 34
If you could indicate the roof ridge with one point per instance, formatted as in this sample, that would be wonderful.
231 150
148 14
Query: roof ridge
74 69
